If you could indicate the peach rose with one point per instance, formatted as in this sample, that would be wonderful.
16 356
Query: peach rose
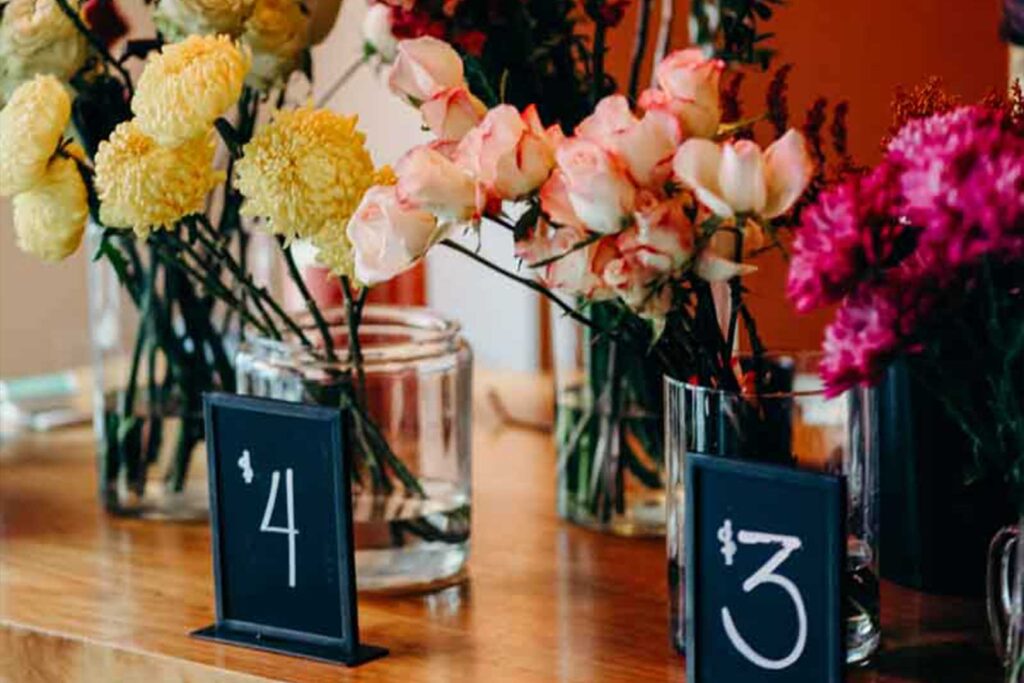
597 184
555 202
388 238
428 180
510 154
688 87
424 67
737 177
452 113
645 146
561 263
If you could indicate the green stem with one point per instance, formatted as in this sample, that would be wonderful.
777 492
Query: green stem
128 405
311 305
354 318
531 284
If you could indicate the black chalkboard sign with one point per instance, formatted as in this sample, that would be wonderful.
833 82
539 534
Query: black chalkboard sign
281 526
765 547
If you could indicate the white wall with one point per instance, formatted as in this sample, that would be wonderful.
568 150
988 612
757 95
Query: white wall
499 318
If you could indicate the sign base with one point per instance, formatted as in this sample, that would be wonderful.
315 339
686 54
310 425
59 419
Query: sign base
295 648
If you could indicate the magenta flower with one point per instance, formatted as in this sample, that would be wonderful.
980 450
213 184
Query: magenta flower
890 246
850 232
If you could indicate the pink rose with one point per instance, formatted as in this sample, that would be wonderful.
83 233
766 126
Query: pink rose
661 240
423 68
688 87
510 154
554 201
597 184
572 270
452 113
738 178
388 238
428 180
645 146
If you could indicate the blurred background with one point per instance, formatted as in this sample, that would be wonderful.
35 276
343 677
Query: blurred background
855 51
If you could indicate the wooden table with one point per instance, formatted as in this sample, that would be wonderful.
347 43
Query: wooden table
86 596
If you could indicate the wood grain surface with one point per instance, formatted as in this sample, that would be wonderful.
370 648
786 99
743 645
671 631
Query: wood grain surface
89 597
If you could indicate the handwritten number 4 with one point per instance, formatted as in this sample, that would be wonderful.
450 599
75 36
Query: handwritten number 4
765 575
290 530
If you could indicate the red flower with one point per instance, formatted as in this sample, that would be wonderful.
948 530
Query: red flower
471 42
414 23
105 20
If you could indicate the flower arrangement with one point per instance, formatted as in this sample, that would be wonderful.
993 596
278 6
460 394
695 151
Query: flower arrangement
924 255
639 225
85 140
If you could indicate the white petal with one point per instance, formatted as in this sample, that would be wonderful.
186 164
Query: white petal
741 177
717 269
697 165
788 170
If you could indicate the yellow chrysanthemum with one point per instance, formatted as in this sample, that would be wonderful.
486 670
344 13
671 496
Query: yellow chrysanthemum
334 249
31 126
305 172
144 185
37 38
187 86
49 219
277 32
178 19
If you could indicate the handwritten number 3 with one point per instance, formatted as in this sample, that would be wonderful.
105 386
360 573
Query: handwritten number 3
766 575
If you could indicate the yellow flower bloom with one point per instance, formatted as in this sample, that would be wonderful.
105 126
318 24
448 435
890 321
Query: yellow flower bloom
305 172
334 249
31 126
37 38
49 219
144 185
187 86
178 19
277 32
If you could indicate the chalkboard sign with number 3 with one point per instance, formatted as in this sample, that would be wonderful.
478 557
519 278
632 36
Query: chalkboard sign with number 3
281 528
764 553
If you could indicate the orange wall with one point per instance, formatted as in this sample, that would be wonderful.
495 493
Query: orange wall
858 50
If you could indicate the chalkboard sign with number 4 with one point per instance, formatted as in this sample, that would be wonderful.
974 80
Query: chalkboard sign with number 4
281 526
765 547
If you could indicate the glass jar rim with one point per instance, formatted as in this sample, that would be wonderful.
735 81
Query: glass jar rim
395 333
799 359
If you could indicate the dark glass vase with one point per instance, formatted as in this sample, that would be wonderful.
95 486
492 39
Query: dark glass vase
938 522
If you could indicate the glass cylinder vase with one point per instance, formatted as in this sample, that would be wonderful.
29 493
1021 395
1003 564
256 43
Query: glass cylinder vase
1005 597
608 430
411 473
792 424
157 345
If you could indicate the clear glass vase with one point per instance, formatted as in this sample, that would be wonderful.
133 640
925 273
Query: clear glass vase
412 504
157 345
608 431
792 424
1005 590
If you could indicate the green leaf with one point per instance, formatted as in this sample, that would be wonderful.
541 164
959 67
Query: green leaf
117 259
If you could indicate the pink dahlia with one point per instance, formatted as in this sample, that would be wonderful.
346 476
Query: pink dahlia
850 232
963 182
